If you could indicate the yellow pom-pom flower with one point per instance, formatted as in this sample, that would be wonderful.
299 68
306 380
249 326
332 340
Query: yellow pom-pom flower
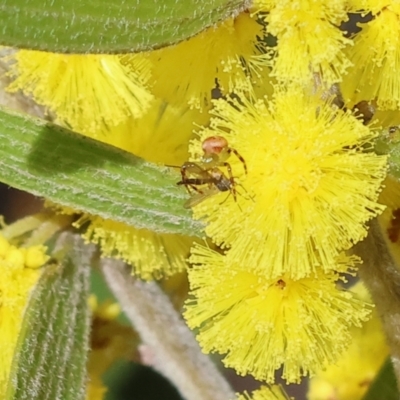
350 377
375 75
274 392
110 341
86 92
187 72
370 6
161 135
152 255
35 256
264 324
19 274
311 185
307 31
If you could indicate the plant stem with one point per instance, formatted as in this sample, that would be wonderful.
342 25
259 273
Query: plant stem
178 355
382 278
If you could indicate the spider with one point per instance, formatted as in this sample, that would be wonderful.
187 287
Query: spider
216 151
207 171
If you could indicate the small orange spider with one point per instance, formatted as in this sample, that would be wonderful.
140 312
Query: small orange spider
216 151
207 171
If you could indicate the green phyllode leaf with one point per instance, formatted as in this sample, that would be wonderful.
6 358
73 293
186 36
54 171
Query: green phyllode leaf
384 387
51 355
108 26
75 171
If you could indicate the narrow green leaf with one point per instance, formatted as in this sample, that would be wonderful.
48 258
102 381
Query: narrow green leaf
51 356
108 26
78 172
384 387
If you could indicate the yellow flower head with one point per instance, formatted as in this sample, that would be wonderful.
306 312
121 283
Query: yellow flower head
311 185
95 389
350 377
110 341
307 31
187 72
264 324
152 255
19 273
274 392
161 135
375 75
86 92
373 6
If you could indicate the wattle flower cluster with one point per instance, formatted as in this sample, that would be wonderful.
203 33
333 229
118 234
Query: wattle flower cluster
292 92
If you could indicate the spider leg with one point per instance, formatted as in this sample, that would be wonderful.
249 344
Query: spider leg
231 179
241 159
191 168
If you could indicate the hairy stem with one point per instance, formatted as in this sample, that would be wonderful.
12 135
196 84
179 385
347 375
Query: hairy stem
176 352
382 278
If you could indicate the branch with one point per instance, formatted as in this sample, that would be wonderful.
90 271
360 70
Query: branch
178 355
382 278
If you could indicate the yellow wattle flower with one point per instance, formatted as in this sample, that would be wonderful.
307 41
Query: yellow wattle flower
350 377
263 324
152 255
95 389
375 74
161 135
86 92
110 341
372 6
19 269
274 392
226 53
307 31
312 183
